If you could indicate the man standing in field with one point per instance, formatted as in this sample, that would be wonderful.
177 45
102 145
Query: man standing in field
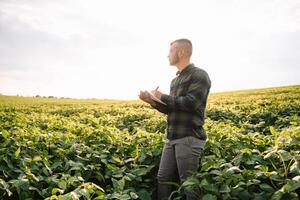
185 107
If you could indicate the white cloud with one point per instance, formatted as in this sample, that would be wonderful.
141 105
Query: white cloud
115 48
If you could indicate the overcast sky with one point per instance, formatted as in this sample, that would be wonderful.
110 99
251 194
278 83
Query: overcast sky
113 49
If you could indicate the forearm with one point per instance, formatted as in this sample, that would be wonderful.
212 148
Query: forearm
188 99
187 103
160 107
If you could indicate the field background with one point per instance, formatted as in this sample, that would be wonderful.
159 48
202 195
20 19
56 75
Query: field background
91 149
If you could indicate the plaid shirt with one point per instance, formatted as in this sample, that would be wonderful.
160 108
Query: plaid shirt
185 106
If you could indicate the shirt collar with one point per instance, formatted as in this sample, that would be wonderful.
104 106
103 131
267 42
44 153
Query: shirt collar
185 69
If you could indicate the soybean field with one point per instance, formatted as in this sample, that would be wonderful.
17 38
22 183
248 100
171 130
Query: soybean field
53 148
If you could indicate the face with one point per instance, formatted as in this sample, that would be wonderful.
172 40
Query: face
173 54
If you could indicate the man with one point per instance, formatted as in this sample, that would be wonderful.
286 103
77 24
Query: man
185 106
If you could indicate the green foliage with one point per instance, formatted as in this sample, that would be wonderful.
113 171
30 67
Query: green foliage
87 149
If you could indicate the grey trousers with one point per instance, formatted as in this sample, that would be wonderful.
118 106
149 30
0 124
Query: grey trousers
180 157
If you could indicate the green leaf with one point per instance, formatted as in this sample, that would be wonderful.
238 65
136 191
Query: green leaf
37 158
291 186
140 171
209 187
215 172
286 156
277 195
118 184
244 194
192 181
233 169
262 196
266 187
275 177
133 195
83 192
125 197
246 151
206 166
70 196
224 189
17 152
273 131
57 191
5 186
295 167
262 168
5 134
62 184
116 159
209 197
144 195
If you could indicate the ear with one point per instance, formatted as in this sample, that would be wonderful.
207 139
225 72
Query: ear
181 53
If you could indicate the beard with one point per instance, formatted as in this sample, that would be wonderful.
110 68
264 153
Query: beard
174 60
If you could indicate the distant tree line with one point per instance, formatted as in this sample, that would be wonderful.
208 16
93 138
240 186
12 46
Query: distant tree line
51 97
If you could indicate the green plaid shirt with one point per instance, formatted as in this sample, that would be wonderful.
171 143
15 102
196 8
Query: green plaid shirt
185 106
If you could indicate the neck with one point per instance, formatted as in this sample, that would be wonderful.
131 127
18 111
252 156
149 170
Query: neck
182 64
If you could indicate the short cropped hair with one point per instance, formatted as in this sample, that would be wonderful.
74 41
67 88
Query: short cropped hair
185 45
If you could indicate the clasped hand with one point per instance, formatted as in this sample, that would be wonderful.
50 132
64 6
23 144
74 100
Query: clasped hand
144 96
